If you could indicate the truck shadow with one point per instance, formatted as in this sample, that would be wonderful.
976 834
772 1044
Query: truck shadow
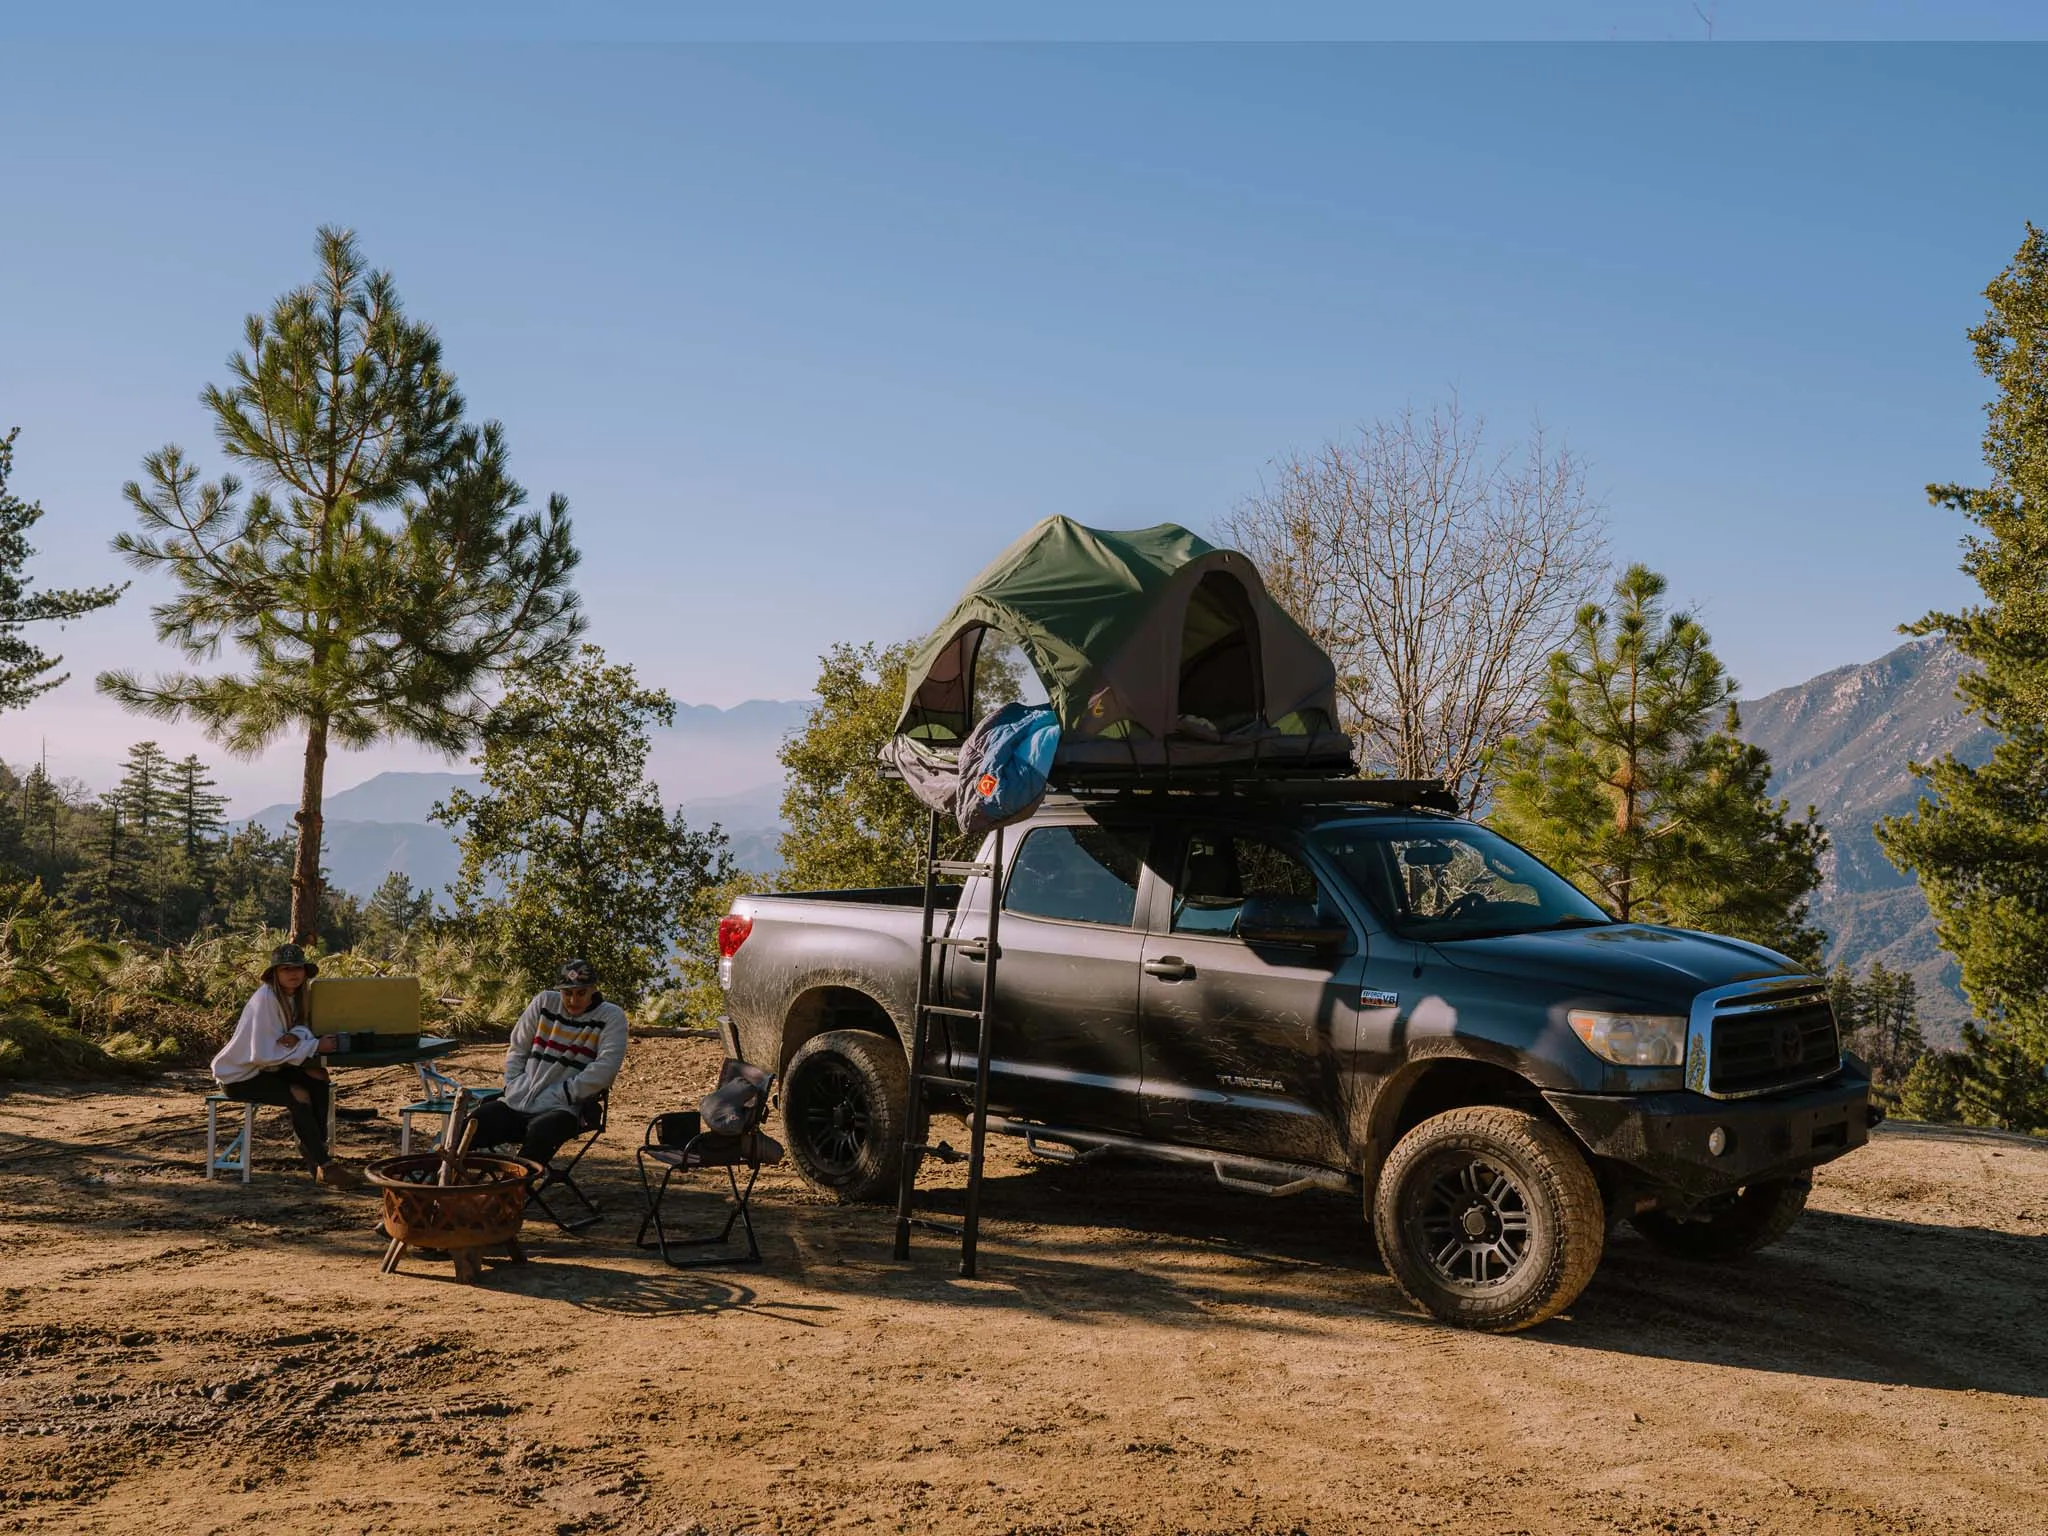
1856 1298
1853 1298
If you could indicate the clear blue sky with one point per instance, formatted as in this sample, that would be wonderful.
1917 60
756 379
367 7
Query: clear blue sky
805 333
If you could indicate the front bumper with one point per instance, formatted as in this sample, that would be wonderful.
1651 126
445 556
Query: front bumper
1662 1137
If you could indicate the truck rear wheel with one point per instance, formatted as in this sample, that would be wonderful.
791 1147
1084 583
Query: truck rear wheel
1754 1217
1489 1218
844 1099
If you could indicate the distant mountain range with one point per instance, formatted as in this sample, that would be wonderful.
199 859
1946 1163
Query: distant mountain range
1843 743
721 760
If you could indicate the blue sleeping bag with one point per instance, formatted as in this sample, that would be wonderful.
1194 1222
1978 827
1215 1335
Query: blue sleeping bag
1004 765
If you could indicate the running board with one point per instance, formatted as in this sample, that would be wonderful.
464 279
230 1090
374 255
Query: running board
1233 1170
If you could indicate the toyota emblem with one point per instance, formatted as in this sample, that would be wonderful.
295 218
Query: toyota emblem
1788 1043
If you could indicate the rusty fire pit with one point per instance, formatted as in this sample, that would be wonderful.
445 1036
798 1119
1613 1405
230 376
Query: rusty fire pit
481 1206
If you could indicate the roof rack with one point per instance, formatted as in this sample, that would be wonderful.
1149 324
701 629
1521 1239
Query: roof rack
1405 794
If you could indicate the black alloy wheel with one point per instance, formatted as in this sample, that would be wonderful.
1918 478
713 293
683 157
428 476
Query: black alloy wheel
1473 1221
844 1099
835 1116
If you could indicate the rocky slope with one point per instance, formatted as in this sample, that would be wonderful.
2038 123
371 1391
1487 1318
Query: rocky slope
1844 743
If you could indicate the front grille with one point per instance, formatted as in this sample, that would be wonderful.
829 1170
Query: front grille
1758 1046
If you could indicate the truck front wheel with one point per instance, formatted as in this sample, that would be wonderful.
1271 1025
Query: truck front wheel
1489 1218
1754 1217
843 1104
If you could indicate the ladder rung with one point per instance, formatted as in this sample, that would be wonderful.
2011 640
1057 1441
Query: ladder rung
939 1080
944 1152
945 1012
950 1228
947 941
962 867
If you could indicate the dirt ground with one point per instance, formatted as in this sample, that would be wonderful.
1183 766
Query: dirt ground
1145 1353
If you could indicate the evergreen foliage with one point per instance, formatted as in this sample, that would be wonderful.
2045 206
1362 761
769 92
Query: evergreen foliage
383 573
2000 1084
571 832
847 826
1879 1018
1627 790
1933 1089
24 669
195 809
1979 844
394 911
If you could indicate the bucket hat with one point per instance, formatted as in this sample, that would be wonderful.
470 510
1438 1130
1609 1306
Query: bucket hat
290 954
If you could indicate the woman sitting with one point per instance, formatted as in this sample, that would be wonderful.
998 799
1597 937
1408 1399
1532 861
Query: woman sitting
264 1061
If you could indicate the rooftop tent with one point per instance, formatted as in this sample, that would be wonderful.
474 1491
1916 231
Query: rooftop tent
1158 652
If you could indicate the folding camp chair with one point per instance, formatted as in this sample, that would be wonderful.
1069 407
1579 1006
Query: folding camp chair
559 1184
724 1131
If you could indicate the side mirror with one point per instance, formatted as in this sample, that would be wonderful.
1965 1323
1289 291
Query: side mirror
1288 920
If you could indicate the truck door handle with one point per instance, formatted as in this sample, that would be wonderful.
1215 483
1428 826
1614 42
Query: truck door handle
1169 968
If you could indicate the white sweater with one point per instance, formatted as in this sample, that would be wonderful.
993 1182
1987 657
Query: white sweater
263 1039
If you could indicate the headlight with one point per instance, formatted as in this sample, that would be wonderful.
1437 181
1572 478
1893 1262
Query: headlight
1631 1039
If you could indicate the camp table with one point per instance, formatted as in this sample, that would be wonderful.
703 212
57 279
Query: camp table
429 1047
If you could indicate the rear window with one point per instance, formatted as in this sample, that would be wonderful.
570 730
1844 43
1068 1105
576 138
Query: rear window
1077 874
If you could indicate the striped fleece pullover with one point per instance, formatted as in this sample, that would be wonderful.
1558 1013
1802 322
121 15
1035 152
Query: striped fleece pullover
558 1059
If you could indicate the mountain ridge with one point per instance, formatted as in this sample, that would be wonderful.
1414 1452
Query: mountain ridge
1844 743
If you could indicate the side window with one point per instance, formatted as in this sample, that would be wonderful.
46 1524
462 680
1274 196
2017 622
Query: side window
1219 870
1080 874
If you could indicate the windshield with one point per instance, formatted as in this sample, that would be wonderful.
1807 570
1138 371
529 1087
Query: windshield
1440 880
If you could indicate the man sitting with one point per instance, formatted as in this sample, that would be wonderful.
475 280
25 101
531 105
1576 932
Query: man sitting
565 1051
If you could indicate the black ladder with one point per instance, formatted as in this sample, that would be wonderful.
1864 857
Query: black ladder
917 1127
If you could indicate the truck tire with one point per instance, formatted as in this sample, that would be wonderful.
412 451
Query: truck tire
844 1100
1754 1217
1489 1218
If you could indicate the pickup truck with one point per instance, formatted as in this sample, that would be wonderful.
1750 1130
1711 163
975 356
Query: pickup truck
1390 1002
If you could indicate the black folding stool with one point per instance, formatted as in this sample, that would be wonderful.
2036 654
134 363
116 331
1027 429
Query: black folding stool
681 1142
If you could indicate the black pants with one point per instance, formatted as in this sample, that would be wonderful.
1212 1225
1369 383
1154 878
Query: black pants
309 1120
540 1134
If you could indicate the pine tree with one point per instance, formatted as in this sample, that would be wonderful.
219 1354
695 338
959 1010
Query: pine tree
108 891
25 670
1979 846
1933 1089
1879 1019
1627 790
384 572
569 829
395 909
142 804
40 811
2001 1084
144 790
197 812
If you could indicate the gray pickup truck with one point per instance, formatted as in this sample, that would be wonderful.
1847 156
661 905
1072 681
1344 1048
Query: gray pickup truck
1391 1002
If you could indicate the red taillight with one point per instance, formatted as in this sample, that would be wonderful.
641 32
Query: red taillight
732 933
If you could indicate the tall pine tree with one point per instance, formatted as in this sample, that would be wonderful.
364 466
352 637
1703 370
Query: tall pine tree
1628 790
383 573
196 810
1979 844
25 670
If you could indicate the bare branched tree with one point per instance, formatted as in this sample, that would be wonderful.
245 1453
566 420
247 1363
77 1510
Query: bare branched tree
1439 575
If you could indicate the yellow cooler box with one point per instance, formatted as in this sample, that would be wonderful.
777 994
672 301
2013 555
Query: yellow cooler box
385 1006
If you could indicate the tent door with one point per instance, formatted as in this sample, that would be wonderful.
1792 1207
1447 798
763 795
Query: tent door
1222 680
